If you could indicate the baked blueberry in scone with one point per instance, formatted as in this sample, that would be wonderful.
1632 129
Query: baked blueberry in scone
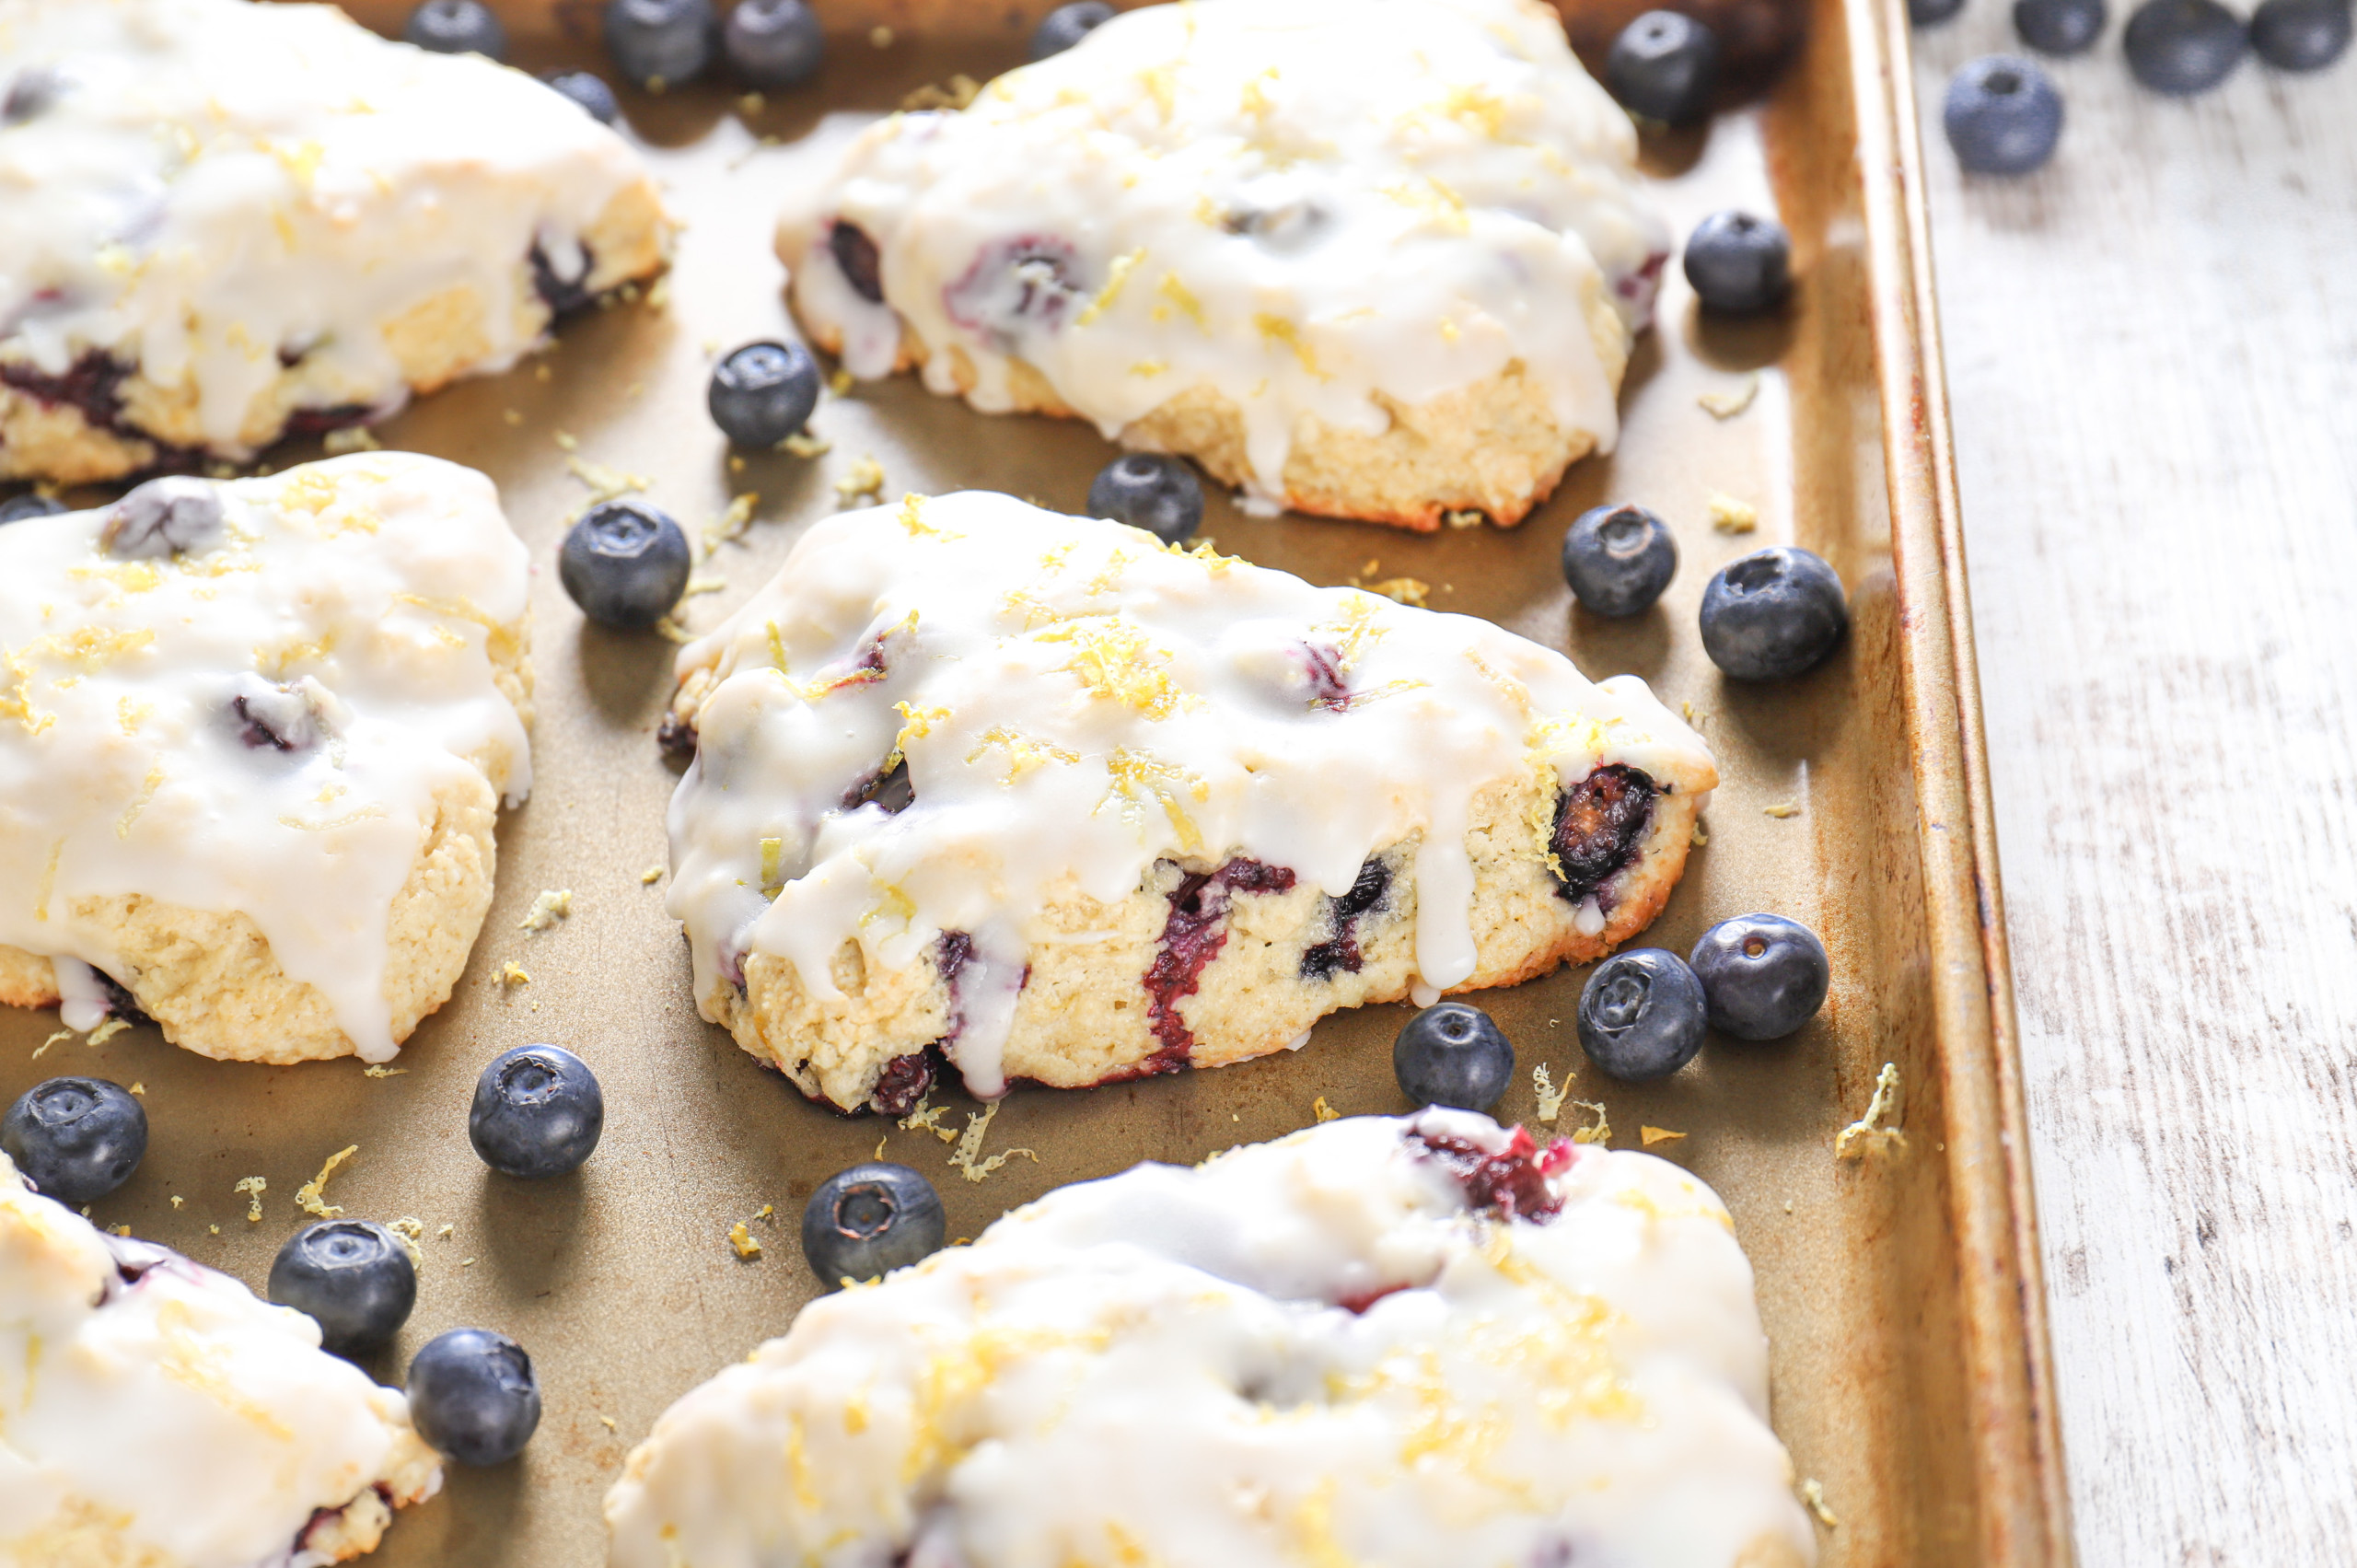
1375 258
1424 1342
156 1412
1054 801
253 738
229 222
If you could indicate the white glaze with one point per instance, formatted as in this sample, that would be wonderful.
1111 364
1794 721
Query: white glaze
176 1415
120 769
1075 701
1441 189
1153 1369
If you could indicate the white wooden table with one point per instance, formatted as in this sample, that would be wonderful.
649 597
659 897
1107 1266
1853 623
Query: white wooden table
2153 350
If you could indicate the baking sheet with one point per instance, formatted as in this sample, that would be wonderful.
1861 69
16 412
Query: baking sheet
1900 1294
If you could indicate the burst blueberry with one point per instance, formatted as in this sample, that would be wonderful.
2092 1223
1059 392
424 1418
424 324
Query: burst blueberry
1763 976
2059 27
1777 612
473 1395
773 43
2300 35
763 392
661 43
1151 491
456 27
1642 1014
590 91
2002 115
1453 1054
1664 66
1067 25
867 1221
1618 559
352 1277
625 563
76 1139
17 508
538 1112
2184 47
1739 262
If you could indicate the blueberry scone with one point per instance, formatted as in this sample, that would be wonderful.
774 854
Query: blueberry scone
1055 801
228 222
253 738
1422 1343
1375 258
154 1412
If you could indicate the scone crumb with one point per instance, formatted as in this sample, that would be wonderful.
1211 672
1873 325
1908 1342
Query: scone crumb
1731 516
512 973
658 292
213 1228
106 1031
120 1229
1813 1494
565 440
802 444
742 1240
552 905
350 438
1649 1136
879 37
652 875
378 1071
1403 590
412 1230
958 92
139 1088
1322 1111
178 1201
840 382
864 478
768 1211
1702 833
1783 809
253 1187
1465 517
608 1423
970 1144
510 417
1600 1132
311 1197
1870 1133
444 1233
539 372
465 1262
1729 402
1550 1098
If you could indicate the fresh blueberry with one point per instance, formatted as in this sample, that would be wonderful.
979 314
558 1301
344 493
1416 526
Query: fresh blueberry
1764 976
76 1139
353 1276
661 43
1618 559
473 1395
2183 47
763 393
1067 25
1642 1014
17 508
1151 491
2002 115
1664 66
538 1112
773 43
2300 35
2060 27
867 1221
1452 1054
590 91
1777 612
1739 263
456 27
1924 13
625 563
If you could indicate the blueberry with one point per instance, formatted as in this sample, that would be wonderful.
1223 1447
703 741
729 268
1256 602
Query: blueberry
1067 25
76 1139
537 1112
763 393
1924 13
2183 47
2059 27
173 516
1618 559
865 1222
1452 1054
17 508
1739 263
456 27
1764 976
2297 35
1777 612
625 563
590 91
2002 115
773 43
473 1395
1151 491
1642 1014
660 43
1664 66
353 1277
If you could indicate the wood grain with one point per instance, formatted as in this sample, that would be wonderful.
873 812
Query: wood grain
2153 355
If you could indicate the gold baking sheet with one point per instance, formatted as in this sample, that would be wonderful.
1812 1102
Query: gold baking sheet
1901 1292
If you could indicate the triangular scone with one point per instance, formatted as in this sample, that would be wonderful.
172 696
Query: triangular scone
1077 808
1375 258
154 1411
1422 1343
231 221
253 738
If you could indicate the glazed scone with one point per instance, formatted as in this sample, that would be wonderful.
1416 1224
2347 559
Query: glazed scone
154 1412
1373 259
1422 1343
253 738
1065 804
229 221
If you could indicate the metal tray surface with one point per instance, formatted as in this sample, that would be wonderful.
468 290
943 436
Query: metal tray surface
1901 1292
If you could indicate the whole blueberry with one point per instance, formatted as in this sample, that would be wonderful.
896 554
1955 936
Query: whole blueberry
1763 976
2183 47
17 508
1618 559
2300 35
473 1395
1151 491
538 1112
867 1221
2002 115
763 392
1067 25
773 43
1777 612
76 1139
1664 66
2059 27
1642 1014
456 27
661 43
1453 1054
353 1277
625 563
1738 263
1924 13
590 91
